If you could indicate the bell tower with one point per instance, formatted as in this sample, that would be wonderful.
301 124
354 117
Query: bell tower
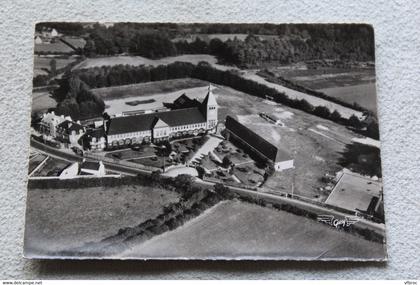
210 107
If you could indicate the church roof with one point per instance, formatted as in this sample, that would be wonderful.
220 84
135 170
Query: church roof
210 99
146 122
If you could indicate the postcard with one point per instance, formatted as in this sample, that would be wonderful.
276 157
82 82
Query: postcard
204 141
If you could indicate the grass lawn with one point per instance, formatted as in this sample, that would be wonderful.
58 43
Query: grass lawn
250 231
249 174
154 161
58 219
128 153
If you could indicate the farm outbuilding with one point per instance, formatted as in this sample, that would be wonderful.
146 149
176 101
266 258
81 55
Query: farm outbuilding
279 158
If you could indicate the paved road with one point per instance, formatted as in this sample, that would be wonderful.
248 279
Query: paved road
54 152
319 210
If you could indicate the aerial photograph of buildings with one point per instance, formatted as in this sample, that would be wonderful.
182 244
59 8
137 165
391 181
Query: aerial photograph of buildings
204 141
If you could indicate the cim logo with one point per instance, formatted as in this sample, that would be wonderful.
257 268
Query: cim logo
332 221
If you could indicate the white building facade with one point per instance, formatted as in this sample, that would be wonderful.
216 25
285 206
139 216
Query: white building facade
161 126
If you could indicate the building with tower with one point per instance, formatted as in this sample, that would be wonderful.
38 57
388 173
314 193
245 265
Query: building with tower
186 117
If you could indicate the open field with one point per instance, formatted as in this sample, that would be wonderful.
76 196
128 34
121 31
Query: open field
350 85
42 101
139 60
43 63
59 219
58 47
149 88
362 94
75 41
328 77
345 112
251 231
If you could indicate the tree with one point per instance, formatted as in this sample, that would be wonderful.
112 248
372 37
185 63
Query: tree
372 130
155 176
305 106
183 181
354 122
53 67
335 116
322 112
226 161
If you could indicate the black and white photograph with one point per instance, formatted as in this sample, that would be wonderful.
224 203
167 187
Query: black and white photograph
204 141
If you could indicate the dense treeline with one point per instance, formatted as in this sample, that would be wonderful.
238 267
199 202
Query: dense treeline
265 43
124 74
363 159
76 100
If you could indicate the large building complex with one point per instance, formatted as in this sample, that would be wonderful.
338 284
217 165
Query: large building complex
188 117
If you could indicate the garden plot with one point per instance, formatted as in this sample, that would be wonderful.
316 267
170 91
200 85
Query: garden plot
207 147
53 167
127 154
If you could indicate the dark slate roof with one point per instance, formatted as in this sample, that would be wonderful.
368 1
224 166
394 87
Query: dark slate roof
90 165
75 127
144 122
258 143
96 133
70 126
184 101
64 124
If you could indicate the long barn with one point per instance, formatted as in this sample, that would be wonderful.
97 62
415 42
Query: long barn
279 158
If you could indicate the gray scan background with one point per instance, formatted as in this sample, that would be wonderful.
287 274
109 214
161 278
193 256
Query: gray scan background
396 24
